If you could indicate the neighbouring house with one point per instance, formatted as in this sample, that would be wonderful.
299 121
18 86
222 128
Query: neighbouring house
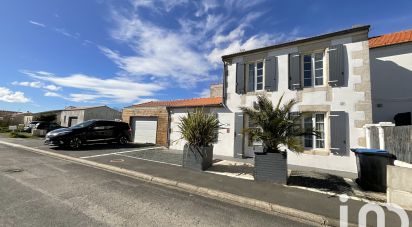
22 118
328 75
73 115
157 121
6 117
391 76
56 113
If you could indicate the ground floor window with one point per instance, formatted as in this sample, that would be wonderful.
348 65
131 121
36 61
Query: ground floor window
314 121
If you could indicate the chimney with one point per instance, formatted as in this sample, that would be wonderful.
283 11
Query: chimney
216 90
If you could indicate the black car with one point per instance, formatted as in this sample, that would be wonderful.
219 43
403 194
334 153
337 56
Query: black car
48 126
91 131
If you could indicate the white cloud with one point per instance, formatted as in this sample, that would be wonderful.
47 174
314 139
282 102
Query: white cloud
52 94
156 5
37 84
190 52
158 52
6 95
205 93
52 87
117 89
66 33
37 23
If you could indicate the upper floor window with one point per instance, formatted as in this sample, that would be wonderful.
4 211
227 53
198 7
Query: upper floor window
313 69
255 76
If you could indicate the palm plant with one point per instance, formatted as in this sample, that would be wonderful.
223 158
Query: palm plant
276 126
199 129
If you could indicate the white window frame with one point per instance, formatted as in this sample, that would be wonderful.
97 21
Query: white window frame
312 69
255 70
256 75
314 137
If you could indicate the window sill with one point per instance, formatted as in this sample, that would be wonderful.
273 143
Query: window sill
317 88
256 92
317 152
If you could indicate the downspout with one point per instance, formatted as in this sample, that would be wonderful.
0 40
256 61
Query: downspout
168 126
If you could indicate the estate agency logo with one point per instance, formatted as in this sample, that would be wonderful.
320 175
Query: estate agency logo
372 207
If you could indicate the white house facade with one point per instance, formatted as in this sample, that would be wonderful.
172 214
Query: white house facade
328 75
391 70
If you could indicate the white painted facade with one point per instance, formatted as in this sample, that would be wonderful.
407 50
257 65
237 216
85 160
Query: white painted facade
391 77
225 136
353 98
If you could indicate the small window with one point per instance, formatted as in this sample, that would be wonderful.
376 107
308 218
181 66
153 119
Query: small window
259 76
255 76
307 124
307 70
312 69
318 69
317 122
320 128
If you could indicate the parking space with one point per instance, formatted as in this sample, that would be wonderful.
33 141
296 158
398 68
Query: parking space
109 153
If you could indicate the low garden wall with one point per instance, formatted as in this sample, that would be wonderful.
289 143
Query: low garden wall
399 187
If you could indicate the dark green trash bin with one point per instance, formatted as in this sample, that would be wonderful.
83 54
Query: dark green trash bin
371 165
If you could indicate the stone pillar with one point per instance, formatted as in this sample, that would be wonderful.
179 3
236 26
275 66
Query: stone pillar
367 128
381 130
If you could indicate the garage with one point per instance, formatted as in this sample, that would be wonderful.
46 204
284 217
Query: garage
144 129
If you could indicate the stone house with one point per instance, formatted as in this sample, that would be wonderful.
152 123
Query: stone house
328 75
74 115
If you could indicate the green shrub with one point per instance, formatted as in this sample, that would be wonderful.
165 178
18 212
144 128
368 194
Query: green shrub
4 130
18 135
199 129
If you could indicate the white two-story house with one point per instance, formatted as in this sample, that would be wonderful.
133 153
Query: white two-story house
328 75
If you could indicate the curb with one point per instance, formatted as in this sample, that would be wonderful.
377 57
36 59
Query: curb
267 207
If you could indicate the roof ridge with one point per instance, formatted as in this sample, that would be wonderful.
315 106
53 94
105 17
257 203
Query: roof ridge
184 102
403 36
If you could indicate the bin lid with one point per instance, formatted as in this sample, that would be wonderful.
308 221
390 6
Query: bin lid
372 151
367 150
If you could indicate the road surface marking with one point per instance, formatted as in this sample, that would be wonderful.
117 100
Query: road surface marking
120 152
150 160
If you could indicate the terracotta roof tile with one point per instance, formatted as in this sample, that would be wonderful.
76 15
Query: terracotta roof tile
215 101
391 39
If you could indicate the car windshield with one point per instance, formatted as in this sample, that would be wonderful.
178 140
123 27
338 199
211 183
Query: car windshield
83 124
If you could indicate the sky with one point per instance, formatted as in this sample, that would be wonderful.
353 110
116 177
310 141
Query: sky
56 53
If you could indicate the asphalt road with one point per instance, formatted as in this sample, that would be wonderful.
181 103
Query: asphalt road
40 191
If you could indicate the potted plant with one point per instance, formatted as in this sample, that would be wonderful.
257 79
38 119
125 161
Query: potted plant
200 132
277 129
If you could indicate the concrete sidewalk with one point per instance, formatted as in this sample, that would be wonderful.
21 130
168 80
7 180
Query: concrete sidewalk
307 202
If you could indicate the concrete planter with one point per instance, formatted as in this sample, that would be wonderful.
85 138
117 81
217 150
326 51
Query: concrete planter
197 158
271 167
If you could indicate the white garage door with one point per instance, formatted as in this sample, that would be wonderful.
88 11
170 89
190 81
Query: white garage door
145 130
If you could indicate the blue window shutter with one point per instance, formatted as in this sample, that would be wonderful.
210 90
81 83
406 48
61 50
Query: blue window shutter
339 133
271 74
336 66
294 72
240 78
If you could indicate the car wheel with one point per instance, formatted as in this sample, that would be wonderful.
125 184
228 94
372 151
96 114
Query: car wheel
123 140
75 143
